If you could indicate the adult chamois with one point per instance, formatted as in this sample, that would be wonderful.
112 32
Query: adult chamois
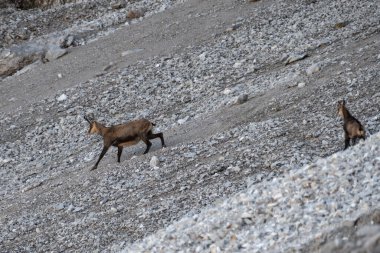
124 135
352 127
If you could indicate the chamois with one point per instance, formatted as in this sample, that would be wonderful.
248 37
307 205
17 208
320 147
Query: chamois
352 127
124 135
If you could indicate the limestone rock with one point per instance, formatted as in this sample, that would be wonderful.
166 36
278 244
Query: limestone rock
54 52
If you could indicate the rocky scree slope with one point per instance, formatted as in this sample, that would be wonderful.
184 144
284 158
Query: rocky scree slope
49 199
280 214
40 35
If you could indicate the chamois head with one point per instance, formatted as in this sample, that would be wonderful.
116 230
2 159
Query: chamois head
341 107
94 129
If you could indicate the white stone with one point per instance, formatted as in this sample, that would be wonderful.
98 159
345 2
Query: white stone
132 51
227 91
295 57
313 69
154 162
69 40
63 97
54 52
59 206
237 65
5 53
182 121
202 56
301 85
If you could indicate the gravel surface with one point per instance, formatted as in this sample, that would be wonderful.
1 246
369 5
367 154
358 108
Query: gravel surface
43 35
84 20
282 213
248 115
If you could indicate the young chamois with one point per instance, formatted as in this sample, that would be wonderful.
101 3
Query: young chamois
352 127
124 135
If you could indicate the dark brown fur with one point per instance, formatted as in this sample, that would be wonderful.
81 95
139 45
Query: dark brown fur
352 127
124 135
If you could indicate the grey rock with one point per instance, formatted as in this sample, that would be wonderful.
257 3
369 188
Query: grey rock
189 154
118 5
109 66
313 69
154 162
69 41
77 209
301 85
62 97
295 57
16 58
183 121
59 206
242 99
55 52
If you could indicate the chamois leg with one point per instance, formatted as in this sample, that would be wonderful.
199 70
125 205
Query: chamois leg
158 135
119 150
346 143
104 151
148 144
346 139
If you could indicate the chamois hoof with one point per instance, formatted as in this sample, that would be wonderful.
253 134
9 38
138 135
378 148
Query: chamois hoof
94 168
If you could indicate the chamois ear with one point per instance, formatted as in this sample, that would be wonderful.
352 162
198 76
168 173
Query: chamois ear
90 119
86 118
341 102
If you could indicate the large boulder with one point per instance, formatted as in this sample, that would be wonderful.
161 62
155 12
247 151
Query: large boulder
17 57
14 59
54 52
